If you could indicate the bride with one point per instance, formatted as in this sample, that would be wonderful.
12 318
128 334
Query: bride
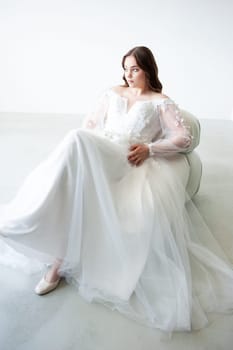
107 211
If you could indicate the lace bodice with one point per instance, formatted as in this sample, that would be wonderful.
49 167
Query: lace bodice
154 122
138 124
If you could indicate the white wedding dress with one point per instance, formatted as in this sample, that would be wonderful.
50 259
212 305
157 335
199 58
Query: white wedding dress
124 234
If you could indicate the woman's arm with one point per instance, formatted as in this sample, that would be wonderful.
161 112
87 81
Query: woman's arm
97 117
176 136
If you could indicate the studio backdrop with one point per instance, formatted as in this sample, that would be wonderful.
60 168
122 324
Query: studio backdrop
57 55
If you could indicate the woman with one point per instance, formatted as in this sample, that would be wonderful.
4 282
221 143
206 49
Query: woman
107 210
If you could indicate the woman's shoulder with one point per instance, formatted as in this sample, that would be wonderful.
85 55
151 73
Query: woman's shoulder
156 97
114 90
162 98
159 96
119 89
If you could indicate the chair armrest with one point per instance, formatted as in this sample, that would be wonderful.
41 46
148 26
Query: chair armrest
194 125
195 173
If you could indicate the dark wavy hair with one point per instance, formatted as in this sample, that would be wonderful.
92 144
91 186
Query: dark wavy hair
146 61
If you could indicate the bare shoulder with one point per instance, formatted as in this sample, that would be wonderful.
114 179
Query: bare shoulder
119 89
159 96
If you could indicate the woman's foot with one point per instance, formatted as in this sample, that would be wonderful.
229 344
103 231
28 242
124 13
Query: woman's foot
44 287
50 281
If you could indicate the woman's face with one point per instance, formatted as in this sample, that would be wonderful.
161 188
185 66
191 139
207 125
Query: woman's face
134 75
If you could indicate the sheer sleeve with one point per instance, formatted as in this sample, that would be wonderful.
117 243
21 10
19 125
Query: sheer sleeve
175 135
97 117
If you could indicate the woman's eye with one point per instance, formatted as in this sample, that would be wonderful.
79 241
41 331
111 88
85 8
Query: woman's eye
133 70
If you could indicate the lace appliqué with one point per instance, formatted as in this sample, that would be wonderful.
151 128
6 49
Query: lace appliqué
140 131
176 134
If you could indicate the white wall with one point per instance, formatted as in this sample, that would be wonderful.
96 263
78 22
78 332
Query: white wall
57 55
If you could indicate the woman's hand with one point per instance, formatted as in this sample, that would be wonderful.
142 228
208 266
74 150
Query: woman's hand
138 152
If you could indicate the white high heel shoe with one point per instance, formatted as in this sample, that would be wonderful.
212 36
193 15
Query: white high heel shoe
44 287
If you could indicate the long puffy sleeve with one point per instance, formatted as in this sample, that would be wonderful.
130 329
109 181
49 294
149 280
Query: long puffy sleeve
96 118
175 135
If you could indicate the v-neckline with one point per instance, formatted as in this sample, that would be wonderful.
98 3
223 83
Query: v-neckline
129 108
126 100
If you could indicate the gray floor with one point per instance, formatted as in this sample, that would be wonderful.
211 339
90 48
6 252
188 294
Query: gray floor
62 320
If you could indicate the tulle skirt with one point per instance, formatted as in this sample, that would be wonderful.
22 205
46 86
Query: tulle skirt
126 236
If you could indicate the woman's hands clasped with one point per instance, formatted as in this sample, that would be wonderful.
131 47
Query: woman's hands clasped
138 153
